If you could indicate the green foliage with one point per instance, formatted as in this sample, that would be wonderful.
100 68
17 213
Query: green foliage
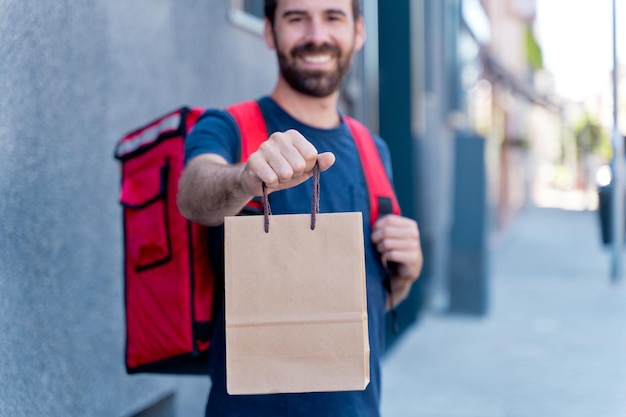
534 56
591 137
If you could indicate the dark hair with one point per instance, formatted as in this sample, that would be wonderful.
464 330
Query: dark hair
270 9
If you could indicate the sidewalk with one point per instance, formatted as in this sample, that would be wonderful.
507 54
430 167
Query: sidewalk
553 343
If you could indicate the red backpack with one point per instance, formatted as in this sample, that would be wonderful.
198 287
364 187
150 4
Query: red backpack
169 285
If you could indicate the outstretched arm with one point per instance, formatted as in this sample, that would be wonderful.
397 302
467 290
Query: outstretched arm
397 240
210 188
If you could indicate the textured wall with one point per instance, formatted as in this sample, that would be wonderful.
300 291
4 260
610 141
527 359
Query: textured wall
74 77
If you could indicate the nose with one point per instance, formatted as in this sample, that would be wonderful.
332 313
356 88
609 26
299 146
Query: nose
316 32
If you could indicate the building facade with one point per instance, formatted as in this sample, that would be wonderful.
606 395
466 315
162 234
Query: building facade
76 77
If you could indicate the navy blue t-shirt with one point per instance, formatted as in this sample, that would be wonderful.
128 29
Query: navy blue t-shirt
342 189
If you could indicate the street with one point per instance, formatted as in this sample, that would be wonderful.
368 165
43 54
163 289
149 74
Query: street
553 343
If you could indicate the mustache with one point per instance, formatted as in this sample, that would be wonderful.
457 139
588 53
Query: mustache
311 48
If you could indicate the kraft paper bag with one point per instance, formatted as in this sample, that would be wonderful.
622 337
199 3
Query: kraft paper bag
296 314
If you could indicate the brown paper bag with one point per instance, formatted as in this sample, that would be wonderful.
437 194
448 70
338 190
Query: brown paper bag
296 315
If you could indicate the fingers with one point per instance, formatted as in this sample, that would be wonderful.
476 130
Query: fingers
285 160
289 154
325 160
397 240
395 228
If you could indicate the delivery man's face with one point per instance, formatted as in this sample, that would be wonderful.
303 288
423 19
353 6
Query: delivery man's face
315 41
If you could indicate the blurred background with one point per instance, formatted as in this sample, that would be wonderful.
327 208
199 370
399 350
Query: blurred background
498 114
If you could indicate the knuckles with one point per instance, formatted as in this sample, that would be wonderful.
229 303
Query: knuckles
298 167
283 158
397 228
284 173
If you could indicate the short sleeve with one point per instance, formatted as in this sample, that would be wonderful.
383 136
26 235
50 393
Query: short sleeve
216 133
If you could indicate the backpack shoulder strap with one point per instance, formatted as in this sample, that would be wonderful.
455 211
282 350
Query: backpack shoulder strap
251 123
253 131
381 195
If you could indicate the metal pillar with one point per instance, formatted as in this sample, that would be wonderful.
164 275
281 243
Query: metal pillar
618 169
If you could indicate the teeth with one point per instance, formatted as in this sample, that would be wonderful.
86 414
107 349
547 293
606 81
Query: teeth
317 59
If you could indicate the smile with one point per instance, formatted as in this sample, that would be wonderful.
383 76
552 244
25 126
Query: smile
316 59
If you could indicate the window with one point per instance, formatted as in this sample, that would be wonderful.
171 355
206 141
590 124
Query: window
247 14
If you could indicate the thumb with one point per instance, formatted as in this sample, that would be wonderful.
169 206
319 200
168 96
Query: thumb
325 160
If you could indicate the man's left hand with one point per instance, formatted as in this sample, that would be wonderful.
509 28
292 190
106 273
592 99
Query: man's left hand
397 239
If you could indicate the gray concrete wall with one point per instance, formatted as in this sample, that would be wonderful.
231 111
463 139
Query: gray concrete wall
74 77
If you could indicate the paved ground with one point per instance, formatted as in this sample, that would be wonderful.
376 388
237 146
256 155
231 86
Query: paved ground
553 344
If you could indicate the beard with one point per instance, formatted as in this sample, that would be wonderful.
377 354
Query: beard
315 83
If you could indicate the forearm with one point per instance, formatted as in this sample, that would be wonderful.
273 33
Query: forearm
211 189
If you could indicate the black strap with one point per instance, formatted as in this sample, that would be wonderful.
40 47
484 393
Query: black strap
385 207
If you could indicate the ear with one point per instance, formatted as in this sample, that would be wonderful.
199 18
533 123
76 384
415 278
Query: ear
268 34
359 34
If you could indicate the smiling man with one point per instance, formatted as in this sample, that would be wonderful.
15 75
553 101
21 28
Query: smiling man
311 68
315 41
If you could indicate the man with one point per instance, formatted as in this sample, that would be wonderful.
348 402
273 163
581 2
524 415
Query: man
315 41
